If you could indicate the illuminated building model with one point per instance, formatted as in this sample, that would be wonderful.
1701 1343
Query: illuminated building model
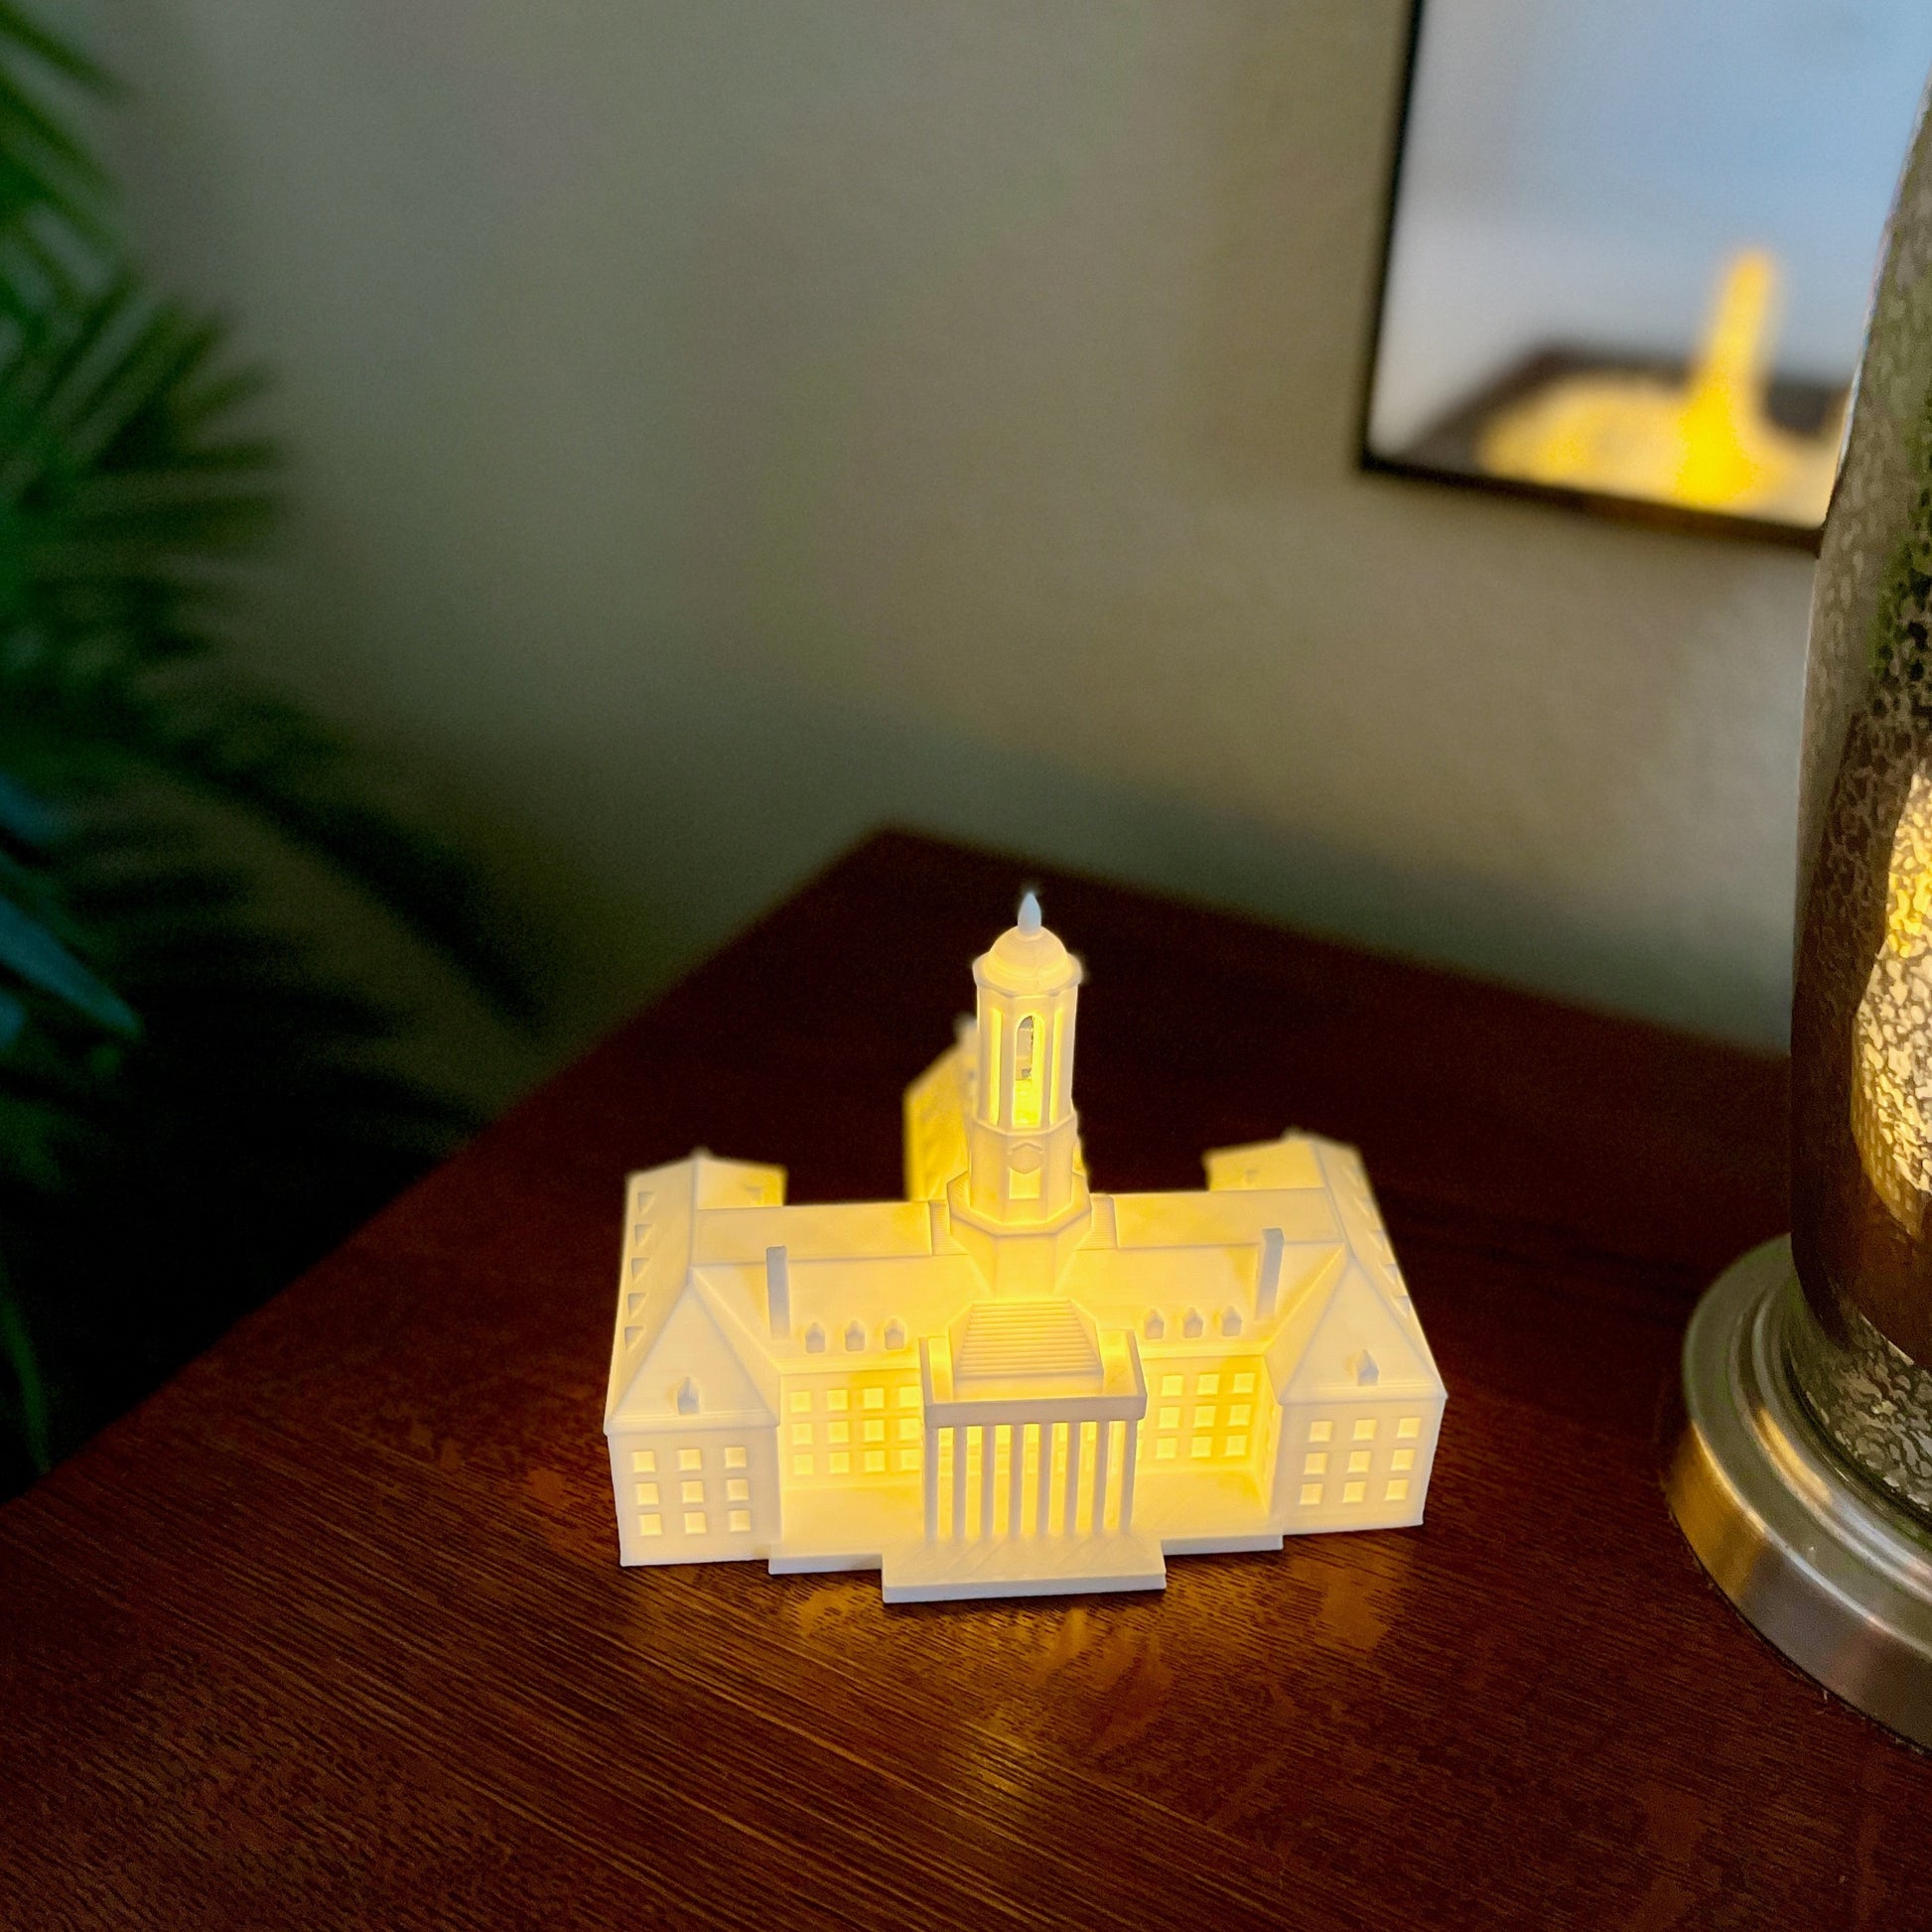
1006 1384
1707 443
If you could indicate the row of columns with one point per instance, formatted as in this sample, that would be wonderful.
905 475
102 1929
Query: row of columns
1043 1439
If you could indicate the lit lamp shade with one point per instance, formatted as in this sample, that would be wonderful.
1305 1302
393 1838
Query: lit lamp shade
1804 1477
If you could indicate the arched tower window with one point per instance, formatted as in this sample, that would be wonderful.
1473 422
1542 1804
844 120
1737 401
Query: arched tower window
1027 1069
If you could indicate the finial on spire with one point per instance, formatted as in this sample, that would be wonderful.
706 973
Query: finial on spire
1029 914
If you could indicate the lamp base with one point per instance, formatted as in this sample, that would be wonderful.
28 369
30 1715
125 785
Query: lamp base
1820 1562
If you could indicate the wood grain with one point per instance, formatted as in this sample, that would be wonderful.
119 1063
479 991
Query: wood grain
332 1631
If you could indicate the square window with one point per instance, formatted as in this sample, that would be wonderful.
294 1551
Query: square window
734 1459
1408 1429
909 1458
1164 1450
838 1431
1170 1417
1208 1385
837 1400
741 1519
908 1396
1311 1493
647 1494
694 1522
1316 1464
1357 1463
839 1463
691 1492
1235 1446
875 1398
1354 1492
908 1429
1397 1492
801 1402
1244 1384
1239 1415
874 1461
643 1463
801 1435
652 1525
738 1490
801 1465
1204 1418
1170 1385
1365 1430
1403 1460
1201 1448
1319 1431
690 1459
875 1432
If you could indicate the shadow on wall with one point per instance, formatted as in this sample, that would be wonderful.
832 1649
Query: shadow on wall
784 813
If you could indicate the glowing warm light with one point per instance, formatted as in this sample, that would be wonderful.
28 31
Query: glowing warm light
954 1389
1891 1087
1706 444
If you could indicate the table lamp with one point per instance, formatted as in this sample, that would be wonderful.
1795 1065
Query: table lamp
1803 1478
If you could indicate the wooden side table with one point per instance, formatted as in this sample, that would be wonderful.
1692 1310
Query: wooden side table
331 1630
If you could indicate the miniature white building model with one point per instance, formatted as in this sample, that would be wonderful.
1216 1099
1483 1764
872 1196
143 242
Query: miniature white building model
1006 1384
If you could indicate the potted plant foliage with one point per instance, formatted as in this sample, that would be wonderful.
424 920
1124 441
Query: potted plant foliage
191 1107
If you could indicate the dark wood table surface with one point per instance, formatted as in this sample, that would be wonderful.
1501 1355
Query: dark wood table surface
331 1630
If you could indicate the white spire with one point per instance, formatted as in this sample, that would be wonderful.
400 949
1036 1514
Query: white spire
1029 914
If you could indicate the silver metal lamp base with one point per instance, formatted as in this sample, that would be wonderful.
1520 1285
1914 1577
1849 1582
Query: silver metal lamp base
1826 1567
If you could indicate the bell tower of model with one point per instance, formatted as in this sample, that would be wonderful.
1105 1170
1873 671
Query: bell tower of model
1024 1134
1022 1200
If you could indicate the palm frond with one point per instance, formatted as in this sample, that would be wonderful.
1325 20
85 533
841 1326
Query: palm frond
171 1060
127 495
248 1126
28 1406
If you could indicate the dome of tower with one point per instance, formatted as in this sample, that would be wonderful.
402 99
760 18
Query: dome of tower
1026 957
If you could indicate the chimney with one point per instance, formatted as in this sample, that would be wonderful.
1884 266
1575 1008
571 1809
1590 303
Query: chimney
1268 1281
777 1288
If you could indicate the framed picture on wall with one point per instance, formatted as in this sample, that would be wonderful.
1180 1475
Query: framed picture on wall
1630 248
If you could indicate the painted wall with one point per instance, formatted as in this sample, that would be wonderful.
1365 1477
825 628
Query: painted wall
726 424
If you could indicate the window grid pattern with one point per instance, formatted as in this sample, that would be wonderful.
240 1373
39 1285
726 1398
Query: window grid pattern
839 1429
1202 1414
696 1488
1369 1472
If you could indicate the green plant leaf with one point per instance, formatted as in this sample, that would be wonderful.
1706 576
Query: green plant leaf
29 37
17 1348
30 950
252 1113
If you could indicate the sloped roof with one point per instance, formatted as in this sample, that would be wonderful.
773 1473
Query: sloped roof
662 1207
701 1230
693 1355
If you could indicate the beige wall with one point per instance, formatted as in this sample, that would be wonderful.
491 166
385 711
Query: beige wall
723 426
